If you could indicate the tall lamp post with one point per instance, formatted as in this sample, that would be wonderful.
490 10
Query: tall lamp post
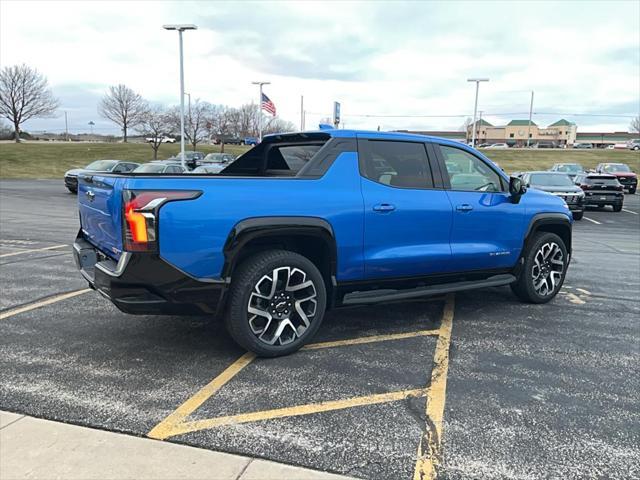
475 107
181 28
260 84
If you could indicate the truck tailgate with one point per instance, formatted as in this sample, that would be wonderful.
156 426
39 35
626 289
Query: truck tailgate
100 205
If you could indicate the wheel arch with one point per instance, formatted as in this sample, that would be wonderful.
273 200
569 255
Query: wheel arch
557 223
311 237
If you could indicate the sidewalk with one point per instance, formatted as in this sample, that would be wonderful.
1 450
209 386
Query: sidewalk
42 449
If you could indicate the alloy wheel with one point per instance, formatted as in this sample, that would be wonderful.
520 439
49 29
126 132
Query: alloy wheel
282 306
548 268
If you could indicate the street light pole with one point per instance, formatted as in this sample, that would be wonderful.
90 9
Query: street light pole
260 84
181 28
475 107
530 113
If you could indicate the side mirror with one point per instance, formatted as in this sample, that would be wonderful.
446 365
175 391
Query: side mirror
517 188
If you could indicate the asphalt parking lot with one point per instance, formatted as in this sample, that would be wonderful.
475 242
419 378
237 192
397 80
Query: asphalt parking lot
525 391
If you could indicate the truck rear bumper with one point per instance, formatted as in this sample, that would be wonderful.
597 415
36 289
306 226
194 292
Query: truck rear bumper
144 284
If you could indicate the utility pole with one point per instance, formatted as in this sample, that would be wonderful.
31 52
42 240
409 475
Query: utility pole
480 123
91 124
301 113
530 113
66 127
475 106
260 84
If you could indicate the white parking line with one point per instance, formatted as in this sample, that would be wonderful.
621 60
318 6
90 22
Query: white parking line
43 303
629 211
592 220
32 250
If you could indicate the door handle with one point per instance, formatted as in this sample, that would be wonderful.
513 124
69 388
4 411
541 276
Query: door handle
384 207
465 207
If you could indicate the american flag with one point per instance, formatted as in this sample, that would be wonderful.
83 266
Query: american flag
268 105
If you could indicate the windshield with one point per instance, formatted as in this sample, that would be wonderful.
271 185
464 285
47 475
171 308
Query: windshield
101 165
616 167
215 158
150 168
550 180
570 168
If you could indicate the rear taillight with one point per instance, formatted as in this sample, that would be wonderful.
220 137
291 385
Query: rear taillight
140 216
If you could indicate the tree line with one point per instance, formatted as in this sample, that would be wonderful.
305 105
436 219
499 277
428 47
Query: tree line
25 94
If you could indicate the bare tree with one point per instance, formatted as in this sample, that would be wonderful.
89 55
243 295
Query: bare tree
635 125
24 94
223 122
195 122
154 124
124 107
277 125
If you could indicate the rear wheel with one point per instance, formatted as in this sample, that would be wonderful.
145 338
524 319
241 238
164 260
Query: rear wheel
617 208
277 302
544 269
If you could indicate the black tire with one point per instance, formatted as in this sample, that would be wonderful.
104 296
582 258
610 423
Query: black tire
617 208
578 215
249 279
632 191
524 287
72 190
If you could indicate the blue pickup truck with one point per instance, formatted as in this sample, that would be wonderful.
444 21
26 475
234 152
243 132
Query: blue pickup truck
310 221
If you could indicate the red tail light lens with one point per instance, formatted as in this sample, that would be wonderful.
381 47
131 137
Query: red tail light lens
140 216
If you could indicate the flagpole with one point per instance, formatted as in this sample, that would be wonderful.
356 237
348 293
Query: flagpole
260 84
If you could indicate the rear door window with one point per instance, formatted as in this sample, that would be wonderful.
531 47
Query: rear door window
397 164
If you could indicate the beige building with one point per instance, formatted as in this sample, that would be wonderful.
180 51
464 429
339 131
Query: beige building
516 132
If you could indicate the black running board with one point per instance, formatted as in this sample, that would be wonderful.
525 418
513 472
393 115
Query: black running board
377 296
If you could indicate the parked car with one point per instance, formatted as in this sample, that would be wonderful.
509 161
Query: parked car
191 159
600 190
160 167
163 139
560 184
545 145
250 141
634 144
217 158
571 169
211 168
625 175
103 166
498 145
583 146
227 139
306 222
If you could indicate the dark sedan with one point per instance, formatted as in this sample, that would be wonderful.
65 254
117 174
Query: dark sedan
559 184
102 166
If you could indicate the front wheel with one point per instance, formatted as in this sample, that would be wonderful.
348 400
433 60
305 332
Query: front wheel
632 191
544 269
617 208
578 215
277 301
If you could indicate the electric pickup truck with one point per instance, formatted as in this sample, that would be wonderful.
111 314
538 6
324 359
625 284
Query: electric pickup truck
306 222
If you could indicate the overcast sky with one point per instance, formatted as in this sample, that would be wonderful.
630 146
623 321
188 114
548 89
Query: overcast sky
376 58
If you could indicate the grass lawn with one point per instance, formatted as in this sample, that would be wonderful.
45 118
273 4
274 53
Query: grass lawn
52 159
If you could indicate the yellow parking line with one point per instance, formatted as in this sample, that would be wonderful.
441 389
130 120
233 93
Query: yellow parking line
32 250
429 449
297 410
43 303
175 424
372 339
165 428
